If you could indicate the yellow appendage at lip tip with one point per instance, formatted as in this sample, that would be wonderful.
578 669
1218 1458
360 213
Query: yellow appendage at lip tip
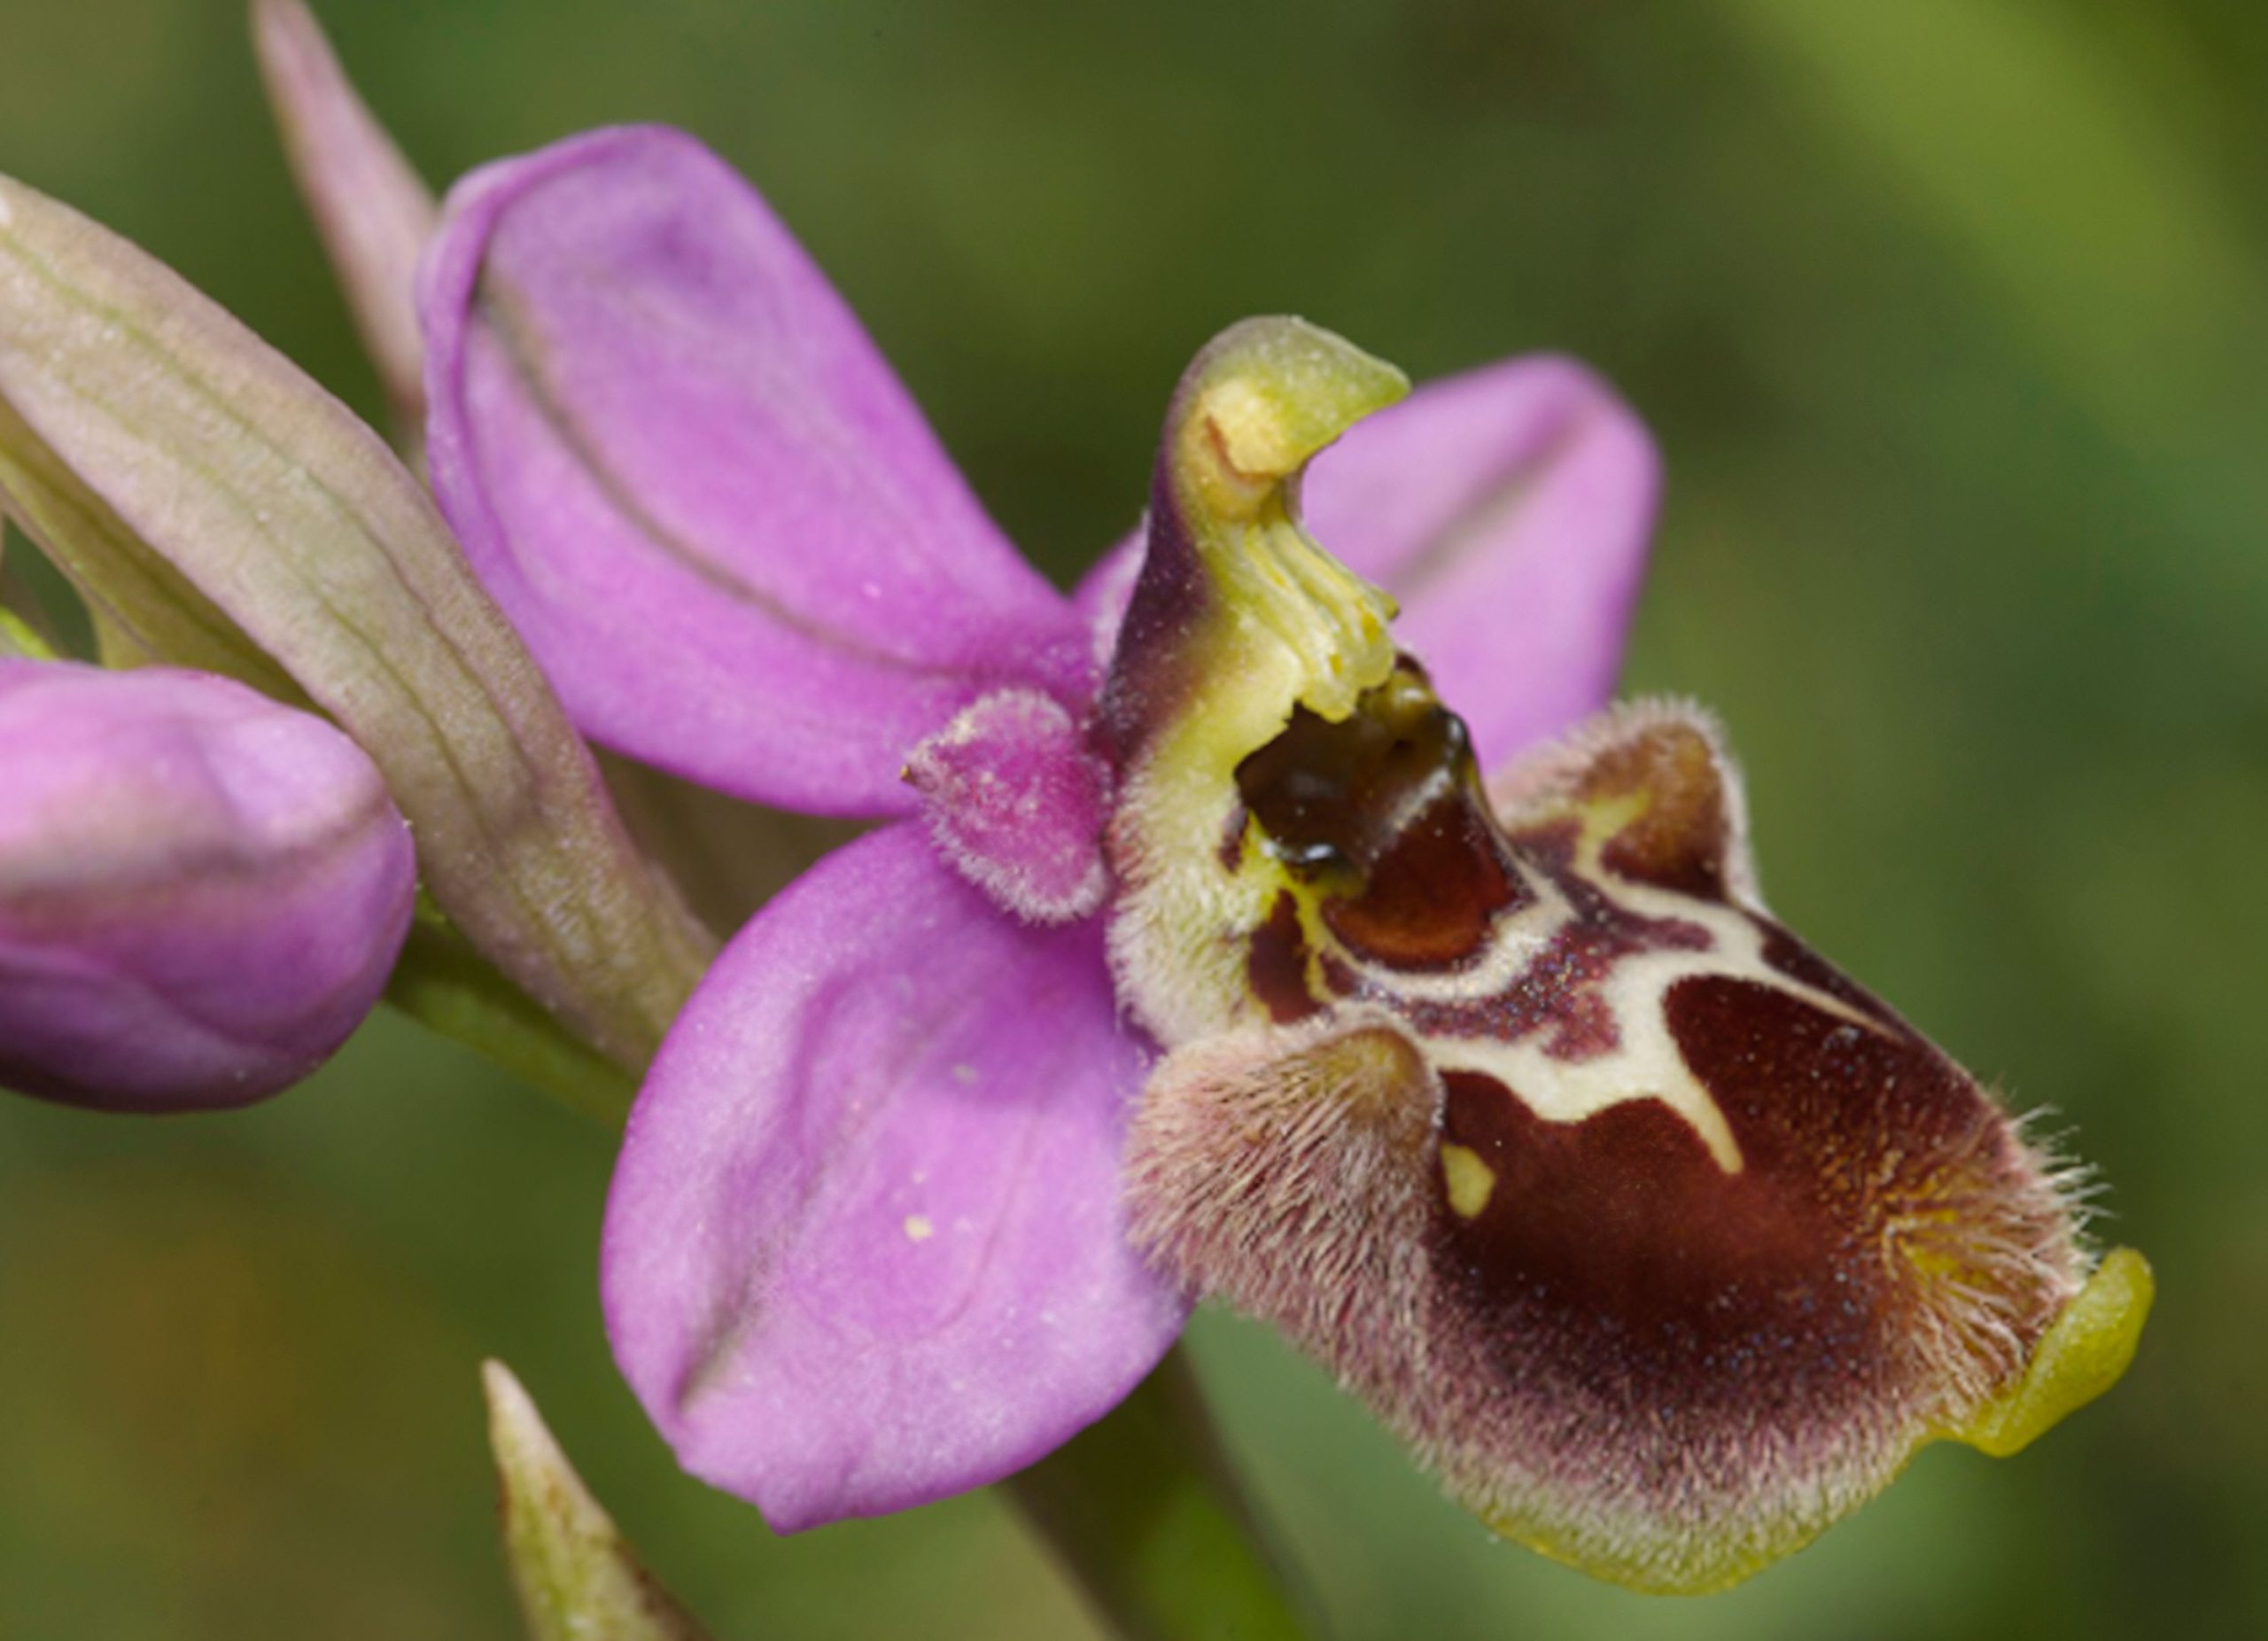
2084 1352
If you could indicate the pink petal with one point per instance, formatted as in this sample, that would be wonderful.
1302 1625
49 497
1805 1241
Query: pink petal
679 464
1508 509
865 1247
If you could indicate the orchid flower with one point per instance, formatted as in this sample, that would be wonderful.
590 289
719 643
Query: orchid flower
1663 1242
865 1246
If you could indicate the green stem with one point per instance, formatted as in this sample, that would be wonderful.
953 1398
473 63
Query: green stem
1144 1510
17 642
444 984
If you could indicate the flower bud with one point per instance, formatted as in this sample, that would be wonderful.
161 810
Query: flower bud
202 892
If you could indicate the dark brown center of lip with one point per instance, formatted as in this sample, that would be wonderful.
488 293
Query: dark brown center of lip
1382 815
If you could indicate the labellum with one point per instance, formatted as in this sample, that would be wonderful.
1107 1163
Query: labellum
1663 1242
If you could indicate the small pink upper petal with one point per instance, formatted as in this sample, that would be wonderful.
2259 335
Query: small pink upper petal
678 463
865 1246
1015 803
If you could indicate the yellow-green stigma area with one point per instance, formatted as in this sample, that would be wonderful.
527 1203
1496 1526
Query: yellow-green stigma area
1663 1242
1238 620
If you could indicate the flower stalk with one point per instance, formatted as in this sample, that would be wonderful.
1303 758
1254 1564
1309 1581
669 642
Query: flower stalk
1144 1510
446 986
18 642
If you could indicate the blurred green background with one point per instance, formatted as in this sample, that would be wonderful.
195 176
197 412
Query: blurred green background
1949 314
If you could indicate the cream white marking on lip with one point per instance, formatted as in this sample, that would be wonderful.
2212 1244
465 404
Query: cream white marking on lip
1646 1063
